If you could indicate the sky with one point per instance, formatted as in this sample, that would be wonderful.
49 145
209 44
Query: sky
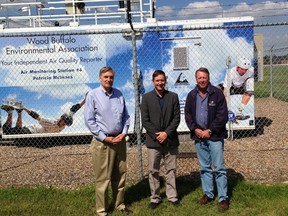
187 9
262 11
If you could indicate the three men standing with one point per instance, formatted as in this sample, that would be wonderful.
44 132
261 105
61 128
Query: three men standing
206 115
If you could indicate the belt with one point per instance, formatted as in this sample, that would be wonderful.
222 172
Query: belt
112 135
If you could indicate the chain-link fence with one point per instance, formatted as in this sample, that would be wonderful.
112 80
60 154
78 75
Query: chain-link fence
44 79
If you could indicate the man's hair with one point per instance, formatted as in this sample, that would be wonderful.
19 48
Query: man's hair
157 73
106 69
202 69
68 119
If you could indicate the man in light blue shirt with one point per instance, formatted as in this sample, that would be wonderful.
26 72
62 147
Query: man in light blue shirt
107 118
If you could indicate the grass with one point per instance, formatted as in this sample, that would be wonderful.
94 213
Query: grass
279 83
246 199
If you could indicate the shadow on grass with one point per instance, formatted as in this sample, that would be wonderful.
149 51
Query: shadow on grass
234 178
137 192
185 185
141 190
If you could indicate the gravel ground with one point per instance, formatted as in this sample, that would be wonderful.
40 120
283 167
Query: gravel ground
259 156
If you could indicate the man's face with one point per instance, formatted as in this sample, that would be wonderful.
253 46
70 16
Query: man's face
241 71
159 82
106 79
61 123
202 79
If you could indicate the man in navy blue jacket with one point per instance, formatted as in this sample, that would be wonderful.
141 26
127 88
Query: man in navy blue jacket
206 115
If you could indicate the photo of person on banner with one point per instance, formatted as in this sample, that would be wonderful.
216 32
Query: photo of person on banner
241 82
44 125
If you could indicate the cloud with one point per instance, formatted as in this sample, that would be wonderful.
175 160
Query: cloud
165 11
210 9
117 45
59 91
259 10
213 9
205 9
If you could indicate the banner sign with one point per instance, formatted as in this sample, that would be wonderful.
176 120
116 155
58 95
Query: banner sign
50 74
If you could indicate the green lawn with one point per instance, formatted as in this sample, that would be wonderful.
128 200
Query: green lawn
246 199
279 83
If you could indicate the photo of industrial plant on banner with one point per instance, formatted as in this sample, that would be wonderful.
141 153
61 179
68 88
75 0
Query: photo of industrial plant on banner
44 79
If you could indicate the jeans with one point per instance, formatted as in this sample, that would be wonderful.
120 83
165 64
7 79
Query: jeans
208 153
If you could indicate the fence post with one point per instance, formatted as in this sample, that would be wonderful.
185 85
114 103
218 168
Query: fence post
271 76
137 103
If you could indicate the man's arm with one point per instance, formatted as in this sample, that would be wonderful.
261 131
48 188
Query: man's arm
221 117
32 113
76 107
189 118
145 117
176 115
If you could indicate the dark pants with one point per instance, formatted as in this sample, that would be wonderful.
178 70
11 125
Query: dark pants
15 130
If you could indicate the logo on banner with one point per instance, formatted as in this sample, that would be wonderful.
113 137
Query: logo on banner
181 80
231 116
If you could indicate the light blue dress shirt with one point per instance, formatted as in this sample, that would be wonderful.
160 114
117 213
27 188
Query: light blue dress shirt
202 110
106 114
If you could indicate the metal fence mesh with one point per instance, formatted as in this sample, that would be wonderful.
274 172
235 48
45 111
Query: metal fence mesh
178 53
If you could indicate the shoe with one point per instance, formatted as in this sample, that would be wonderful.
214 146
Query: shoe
8 105
126 211
10 102
223 205
154 205
204 200
18 106
7 108
175 203
242 117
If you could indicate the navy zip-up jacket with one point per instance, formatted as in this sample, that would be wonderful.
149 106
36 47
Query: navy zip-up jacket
217 113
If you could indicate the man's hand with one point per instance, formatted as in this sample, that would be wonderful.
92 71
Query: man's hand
202 134
161 137
115 140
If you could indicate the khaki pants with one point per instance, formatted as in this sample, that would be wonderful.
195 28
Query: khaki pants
154 158
109 163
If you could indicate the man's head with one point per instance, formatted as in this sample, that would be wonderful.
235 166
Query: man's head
106 76
159 80
243 64
202 76
65 119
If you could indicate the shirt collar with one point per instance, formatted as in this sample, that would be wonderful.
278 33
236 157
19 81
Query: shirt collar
105 92
207 90
164 93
